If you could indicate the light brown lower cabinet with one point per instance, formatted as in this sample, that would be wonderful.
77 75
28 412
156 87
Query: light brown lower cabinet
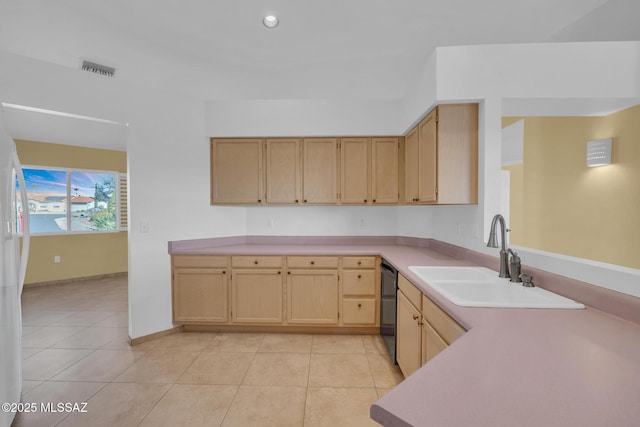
359 291
256 296
200 289
423 329
264 291
312 297
432 343
409 335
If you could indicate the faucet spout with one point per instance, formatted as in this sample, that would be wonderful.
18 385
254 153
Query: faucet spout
493 243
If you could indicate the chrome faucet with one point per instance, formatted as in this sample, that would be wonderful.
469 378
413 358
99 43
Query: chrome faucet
493 243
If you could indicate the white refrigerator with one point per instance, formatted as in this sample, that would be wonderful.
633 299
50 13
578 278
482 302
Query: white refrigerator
13 264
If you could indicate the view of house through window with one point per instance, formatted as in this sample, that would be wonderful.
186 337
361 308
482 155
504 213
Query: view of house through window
67 200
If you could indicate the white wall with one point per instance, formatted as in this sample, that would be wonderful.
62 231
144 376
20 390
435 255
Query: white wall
494 72
322 220
303 117
168 156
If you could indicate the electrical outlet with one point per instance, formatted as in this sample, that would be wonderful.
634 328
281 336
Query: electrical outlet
363 224
56 259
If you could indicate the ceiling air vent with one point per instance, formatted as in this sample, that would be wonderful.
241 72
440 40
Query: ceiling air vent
103 70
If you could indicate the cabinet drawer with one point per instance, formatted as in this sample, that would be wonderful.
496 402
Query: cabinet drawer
412 293
312 261
359 311
212 261
357 282
444 325
359 262
257 261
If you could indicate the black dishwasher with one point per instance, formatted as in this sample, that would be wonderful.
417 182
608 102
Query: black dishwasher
388 291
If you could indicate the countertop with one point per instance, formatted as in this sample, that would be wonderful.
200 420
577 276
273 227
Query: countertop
513 367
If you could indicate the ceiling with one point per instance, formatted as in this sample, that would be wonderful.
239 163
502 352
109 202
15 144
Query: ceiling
350 49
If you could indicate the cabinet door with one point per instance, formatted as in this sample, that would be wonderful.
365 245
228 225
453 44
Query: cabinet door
283 179
312 297
354 179
320 171
427 158
236 176
409 336
256 296
384 170
432 343
458 153
200 295
411 167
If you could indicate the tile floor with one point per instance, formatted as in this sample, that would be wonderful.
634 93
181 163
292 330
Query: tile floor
76 350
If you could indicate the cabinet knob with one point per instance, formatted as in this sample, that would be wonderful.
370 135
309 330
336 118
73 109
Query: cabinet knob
305 200
359 262
359 305
296 200
365 200
416 317
255 262
259 200
313 262
374 200
224 272
279 272
288 272
359 276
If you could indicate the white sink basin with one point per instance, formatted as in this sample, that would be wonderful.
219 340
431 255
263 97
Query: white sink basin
481 287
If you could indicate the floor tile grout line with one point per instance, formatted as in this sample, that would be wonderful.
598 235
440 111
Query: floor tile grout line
240 383
156 404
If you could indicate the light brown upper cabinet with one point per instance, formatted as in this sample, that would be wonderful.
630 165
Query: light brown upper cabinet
411 166
369 172
439 166
320 171
441 157
384 170
354 183
237 174
283 171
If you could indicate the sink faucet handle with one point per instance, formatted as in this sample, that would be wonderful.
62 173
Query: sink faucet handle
516 265
527 280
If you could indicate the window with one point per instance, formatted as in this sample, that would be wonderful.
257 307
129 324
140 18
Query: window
73 201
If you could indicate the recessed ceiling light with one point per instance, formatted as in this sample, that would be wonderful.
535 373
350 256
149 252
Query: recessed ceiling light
270 21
